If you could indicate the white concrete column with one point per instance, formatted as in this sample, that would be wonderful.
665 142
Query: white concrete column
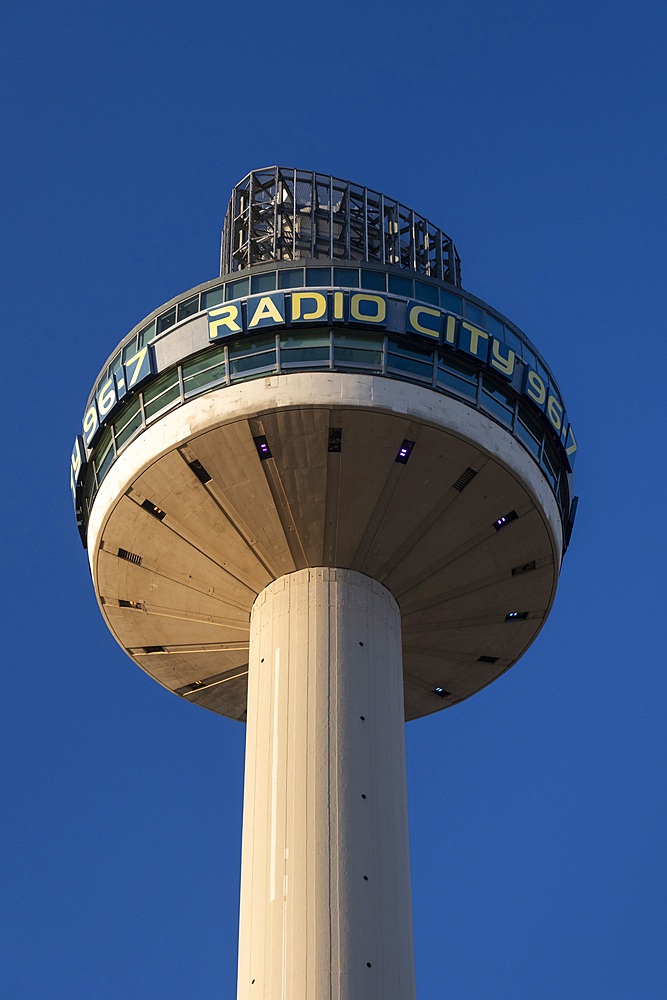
326 908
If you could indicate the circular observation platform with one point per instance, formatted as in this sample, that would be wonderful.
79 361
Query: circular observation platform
363 415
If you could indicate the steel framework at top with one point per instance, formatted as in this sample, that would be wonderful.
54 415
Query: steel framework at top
280 213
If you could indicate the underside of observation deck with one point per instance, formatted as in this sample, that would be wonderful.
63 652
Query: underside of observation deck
183 543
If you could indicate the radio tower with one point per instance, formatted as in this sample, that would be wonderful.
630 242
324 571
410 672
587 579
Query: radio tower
323 494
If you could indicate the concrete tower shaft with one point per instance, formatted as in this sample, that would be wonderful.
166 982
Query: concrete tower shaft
326 908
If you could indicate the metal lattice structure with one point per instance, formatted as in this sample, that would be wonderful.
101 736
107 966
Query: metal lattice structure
282 214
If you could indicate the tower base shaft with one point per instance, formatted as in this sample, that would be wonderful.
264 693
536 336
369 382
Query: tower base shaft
326 910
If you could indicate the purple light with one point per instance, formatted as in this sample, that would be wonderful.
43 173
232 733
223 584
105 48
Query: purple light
404 452
264 447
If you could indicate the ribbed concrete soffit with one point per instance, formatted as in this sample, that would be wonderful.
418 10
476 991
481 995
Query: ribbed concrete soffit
205 528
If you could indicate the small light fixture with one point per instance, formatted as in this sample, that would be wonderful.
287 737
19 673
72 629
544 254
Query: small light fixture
404 452
199 471
488 659
441 693
155 511
516 616
502 521
524 568
335 439
262 446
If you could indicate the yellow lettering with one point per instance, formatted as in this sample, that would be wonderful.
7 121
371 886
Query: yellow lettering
229 315
106 397
503 364
137 360
265 310
413 319
338 305
475 335
77 459
554 412
536 388
316 297
573 447
90 424
377 300
450 329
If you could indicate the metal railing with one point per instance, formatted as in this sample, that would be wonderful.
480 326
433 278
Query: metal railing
280 213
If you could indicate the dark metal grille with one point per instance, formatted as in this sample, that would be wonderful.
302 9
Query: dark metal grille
130 556
464 479
284 214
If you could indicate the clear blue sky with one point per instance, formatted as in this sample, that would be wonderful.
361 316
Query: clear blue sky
533 132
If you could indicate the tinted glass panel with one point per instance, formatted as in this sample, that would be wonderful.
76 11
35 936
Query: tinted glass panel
475 314
304 355
188 308
236 289
403 363
251 346
411 351
400 286
166 320
347 277
549 465
318 276
291 279
512 341
352 340
305 349
146 335
497 402
129 350
161 393
204 370
319 339
449 301
104 454
353 350
526 429
105 464
426 293
127 414
266 359
213 298
375 280
458 376
131 422
494 326
529 357
264 282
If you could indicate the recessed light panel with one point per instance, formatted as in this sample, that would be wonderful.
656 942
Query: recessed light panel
505 519
404 452
262 446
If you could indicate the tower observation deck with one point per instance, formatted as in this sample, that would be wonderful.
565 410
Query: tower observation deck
324 493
